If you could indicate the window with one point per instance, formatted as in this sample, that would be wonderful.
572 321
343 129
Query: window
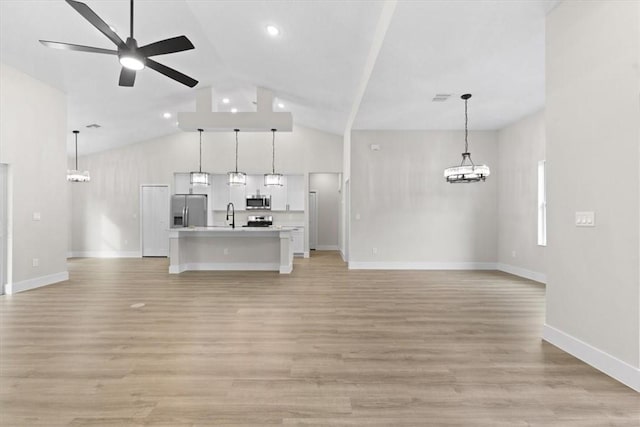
542 204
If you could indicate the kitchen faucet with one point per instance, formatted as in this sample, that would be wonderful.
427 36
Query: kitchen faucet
233 214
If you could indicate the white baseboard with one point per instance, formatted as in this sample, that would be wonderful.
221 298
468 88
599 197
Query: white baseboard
342 255
104 254
604 362
327 247
372 265
306 254
214 266
37 282
523 272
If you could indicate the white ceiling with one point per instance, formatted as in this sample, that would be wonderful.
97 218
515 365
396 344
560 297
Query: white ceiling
493 49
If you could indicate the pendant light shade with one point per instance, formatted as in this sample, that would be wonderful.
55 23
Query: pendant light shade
74 175
235 177
466 171
200 178
273 179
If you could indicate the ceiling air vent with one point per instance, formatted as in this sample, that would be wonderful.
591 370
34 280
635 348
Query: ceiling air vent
93 126
440 97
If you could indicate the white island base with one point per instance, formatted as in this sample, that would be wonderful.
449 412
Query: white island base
224 248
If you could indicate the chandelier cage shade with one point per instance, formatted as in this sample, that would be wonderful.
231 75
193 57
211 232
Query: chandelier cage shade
466 171
74 175
200 178
235 177
273 179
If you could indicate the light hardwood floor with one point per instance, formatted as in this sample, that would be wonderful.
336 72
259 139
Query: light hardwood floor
323 346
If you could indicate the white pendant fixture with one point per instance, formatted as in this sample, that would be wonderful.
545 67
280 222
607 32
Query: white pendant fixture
75 175
273 179
466 171
237 178
200 178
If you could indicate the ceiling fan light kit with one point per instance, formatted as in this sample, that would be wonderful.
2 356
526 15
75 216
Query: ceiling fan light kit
131 57
74 175
466 171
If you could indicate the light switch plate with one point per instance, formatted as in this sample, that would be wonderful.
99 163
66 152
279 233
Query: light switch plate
585 219
36 216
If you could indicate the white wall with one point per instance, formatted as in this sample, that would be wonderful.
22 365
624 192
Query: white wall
593 140
520 147
106 210
328 200
33 120
409 213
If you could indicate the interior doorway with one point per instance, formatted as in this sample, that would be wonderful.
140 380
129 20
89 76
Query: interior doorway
154 214
324 211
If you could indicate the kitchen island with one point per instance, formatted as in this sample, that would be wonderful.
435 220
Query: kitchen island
226 248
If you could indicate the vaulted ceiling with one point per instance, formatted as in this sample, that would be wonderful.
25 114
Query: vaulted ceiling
493 49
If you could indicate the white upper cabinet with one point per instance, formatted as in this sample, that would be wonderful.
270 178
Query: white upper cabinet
279 196
295 192
220 192
181 183
255 185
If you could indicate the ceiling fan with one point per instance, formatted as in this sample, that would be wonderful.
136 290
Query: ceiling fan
132 57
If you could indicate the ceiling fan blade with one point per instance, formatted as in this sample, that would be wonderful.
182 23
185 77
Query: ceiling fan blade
78 47
171 73
127 77
96 21
175 44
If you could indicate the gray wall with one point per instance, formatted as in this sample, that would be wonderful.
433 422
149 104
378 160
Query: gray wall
106 211
593 135
328 198
33 120
402 206
520 147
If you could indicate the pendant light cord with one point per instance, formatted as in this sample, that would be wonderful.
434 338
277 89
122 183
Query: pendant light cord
466 130
76 132
237 130
273 151
200 162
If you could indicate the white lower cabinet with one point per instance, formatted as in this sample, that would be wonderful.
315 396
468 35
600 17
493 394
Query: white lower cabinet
298 240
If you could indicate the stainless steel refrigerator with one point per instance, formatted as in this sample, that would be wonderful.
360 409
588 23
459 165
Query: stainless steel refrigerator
188 210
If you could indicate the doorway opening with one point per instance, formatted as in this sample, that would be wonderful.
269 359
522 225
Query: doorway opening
4 229
324 212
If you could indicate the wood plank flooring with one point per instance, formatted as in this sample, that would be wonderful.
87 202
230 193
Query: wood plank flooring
323 346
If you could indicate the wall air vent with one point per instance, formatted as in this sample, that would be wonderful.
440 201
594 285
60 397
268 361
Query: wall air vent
440 97
93 126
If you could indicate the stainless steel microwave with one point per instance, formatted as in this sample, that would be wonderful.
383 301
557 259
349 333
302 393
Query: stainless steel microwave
259 202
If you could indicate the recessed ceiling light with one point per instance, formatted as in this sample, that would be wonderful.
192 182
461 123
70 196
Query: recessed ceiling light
280 105
225 100
234 110
273 30
167 115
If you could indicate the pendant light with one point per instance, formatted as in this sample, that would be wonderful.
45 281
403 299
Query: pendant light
467 171
75 175
200 178
237 178
273 179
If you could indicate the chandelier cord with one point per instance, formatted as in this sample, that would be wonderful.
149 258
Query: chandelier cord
200 162
273 151
237 149
466 130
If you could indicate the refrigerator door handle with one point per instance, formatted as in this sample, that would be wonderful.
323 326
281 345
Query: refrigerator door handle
186 215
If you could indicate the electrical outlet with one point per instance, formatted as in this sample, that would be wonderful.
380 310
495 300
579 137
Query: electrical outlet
36 262
226 251
374 251
513 254
36 216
